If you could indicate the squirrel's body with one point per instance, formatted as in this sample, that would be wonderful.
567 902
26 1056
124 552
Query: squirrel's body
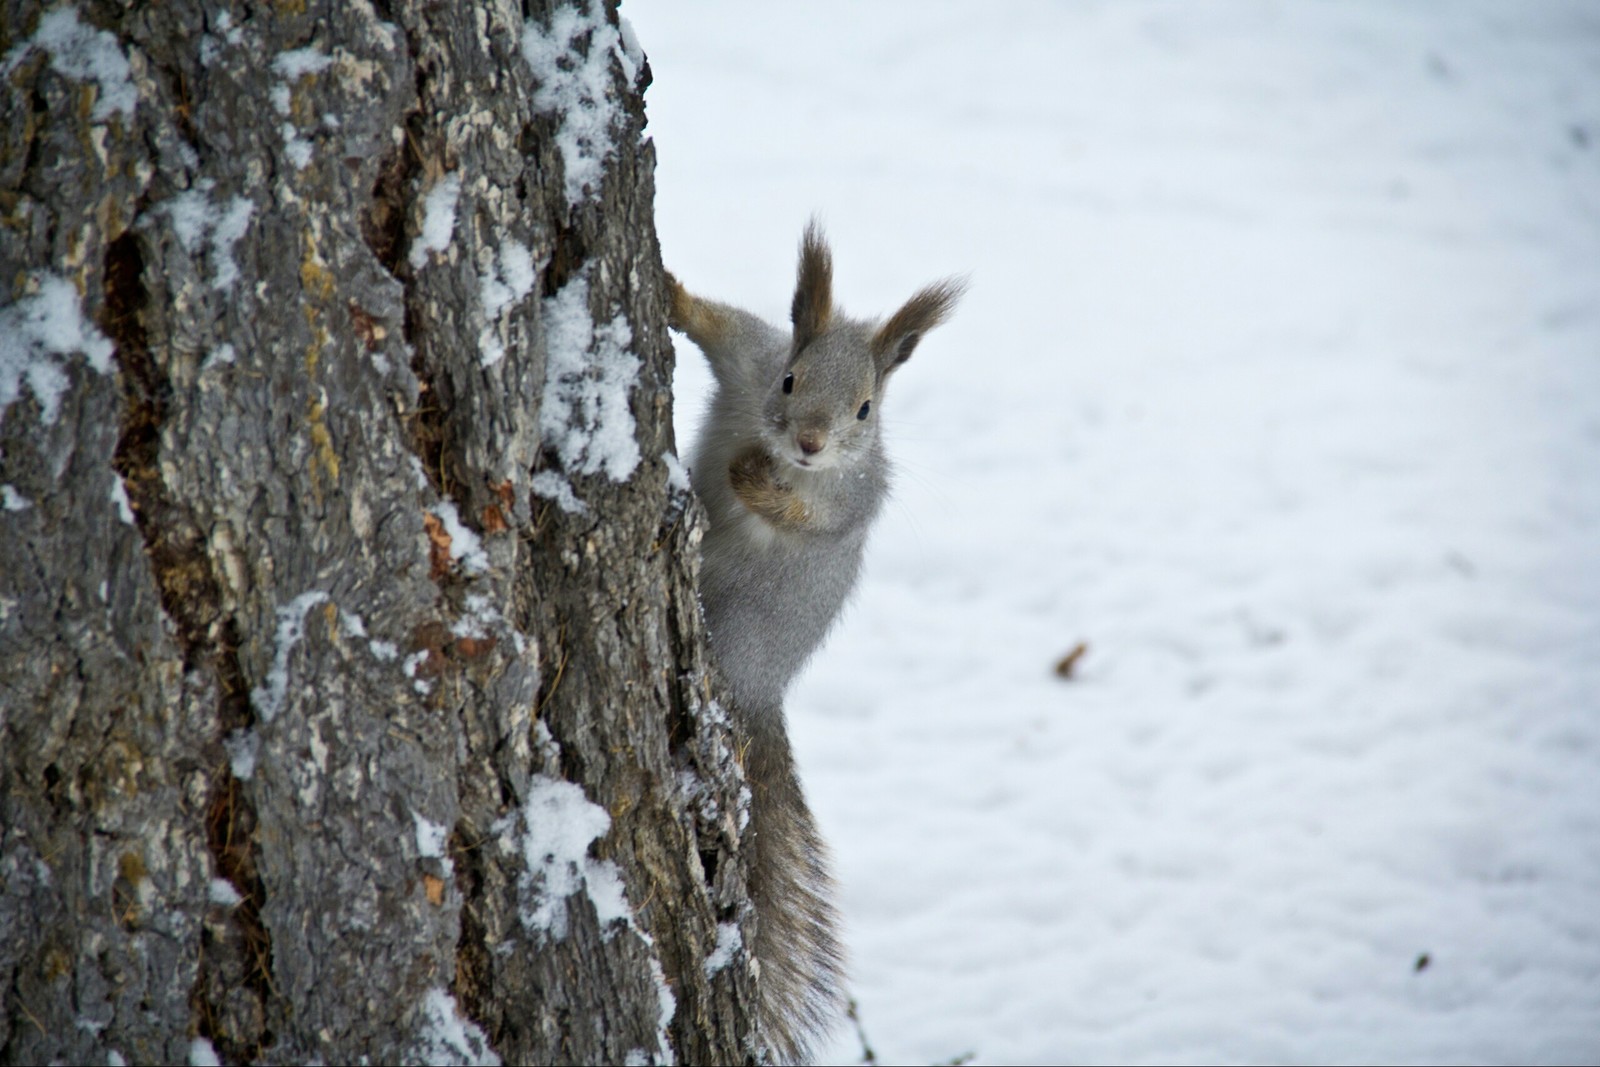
792 471
774 579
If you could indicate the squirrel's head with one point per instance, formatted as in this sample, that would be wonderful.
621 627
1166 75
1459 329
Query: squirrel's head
823 409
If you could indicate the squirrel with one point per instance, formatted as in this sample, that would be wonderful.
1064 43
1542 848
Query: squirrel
792 470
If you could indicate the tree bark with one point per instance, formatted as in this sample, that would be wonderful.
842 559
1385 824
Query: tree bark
354 699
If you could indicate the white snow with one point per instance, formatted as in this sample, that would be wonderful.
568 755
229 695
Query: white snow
292 66
431 836
199 223
677 473
448 1037
571 61
629 51
552 486
1278 384
230 226
297 148
268 698
666 1005
11 500
203 1054
37 333
466 549
242 746
503 282
553 831
480 618
297 63
119 498
729 942
410 665
83 53
438 220
221 356
589 375
222 892
351 624
418 475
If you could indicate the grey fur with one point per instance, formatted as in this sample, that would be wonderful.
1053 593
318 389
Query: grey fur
777 572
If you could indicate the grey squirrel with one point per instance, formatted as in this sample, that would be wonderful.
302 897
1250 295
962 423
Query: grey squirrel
792 470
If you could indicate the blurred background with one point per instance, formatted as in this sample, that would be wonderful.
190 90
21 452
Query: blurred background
1274 408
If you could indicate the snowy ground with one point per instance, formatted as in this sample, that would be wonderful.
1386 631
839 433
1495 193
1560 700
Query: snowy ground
1278 384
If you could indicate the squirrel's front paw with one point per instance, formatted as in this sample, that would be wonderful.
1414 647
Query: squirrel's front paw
752 471
753 475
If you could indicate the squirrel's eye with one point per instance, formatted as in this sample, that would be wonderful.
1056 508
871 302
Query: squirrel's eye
788 383
866 406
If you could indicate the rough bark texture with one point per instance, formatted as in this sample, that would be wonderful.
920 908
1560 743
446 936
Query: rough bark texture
235 707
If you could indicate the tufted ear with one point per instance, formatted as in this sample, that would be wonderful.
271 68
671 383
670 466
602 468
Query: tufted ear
894 340
813 291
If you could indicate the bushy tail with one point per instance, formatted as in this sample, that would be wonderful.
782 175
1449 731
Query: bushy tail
802 965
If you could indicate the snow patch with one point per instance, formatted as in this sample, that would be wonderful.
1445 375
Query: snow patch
119 497
553 830
83 53
666 1003
299 62
589 374
418 476
297 148
481 618
221 356
223 893
36 334
199 223
203 1054
631 53
503 282
268 699
552 486
438 220
571 60
242 747
11 500
729 942
410 666
292 66
465 547
352 624
431 839
677 473
448 1037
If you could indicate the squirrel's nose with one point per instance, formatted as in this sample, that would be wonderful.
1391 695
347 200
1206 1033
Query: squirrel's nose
811 441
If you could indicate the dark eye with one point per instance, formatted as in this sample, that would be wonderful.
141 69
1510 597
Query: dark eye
788 383
866 406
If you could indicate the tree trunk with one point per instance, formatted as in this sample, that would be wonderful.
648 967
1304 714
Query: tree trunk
355 698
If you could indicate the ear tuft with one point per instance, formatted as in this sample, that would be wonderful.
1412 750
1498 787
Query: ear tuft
813 292
894 341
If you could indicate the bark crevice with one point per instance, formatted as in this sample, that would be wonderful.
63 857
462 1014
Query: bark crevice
235 951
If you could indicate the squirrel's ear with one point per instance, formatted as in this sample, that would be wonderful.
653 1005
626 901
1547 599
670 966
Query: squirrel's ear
813 291
892 344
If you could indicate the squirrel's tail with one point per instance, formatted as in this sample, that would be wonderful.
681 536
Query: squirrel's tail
801 979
